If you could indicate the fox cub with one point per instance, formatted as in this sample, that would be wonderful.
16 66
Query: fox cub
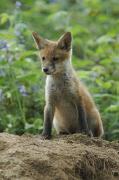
69 106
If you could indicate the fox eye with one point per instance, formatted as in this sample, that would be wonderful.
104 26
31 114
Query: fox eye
55 58
43 58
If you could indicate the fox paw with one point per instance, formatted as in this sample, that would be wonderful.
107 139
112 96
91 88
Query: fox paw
45 136
87 132
63 133
90 134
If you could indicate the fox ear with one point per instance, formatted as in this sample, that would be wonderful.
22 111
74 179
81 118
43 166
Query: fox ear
40 42
65 41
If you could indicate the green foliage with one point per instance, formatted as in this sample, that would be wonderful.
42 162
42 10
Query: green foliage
94 25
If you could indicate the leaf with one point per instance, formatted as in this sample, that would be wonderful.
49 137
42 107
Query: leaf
113 108
105 39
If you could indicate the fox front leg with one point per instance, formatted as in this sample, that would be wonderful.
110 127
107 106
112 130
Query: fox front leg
48 119
84 127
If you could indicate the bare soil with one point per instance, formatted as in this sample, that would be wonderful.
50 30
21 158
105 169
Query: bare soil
71 157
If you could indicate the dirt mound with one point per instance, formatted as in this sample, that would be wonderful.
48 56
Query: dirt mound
72 157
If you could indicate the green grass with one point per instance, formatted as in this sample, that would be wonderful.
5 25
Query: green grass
94 25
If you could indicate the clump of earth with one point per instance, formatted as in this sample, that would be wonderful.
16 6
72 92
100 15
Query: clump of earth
66 157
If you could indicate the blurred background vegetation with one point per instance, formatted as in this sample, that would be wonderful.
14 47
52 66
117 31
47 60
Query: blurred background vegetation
95 28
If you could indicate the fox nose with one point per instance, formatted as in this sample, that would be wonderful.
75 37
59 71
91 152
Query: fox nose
45 70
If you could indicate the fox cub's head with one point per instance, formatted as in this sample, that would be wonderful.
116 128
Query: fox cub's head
54 55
